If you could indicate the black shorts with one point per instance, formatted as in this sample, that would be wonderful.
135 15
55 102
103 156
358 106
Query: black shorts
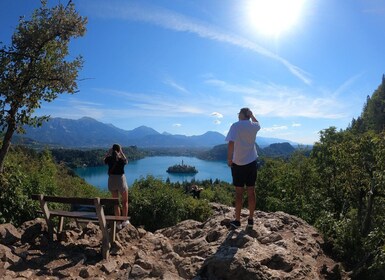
244 174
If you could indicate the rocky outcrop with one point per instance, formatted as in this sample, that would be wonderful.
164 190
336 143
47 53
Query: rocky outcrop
279 246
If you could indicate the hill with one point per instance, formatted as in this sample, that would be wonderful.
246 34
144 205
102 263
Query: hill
219 152
90 133
373 113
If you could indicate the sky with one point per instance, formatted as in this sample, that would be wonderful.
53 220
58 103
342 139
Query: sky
188 66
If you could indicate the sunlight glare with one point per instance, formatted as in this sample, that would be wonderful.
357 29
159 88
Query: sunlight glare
272 17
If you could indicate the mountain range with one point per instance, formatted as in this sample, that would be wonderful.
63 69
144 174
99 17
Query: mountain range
90 133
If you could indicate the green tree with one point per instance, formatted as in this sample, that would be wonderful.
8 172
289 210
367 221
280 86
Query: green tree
33 68
373 113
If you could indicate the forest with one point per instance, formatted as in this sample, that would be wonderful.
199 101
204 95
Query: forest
339 188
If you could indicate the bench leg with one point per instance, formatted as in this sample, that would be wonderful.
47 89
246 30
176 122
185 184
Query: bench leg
113 231
103 227
61 223
50 231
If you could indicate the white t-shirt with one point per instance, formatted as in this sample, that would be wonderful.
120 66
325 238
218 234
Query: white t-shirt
243 134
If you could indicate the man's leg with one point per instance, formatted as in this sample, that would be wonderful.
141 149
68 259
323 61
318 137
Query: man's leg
251 201
238 202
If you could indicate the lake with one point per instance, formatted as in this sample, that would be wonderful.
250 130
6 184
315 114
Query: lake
157 166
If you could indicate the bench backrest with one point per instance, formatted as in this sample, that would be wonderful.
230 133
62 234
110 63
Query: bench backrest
76 200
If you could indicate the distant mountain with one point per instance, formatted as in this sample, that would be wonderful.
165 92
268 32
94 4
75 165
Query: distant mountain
219 152
90 133
84 132
278 150
266 141
140 132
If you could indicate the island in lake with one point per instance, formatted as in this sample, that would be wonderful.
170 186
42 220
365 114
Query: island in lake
182 168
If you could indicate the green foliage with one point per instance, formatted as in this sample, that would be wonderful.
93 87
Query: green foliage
155 204
78 158
289 186
376 246
28 172
223 193
373 113
343 233
34 69
352 172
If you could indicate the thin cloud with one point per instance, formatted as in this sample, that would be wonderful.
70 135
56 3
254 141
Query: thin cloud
217 122
176 125
345 85
175 85
296 125
217 115
274 128
280 101
181 23
157 104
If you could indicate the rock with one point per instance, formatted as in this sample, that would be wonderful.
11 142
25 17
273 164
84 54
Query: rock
86 272
9 234
116 249
25 274
279 246
33 229
138 272
7 256
109 267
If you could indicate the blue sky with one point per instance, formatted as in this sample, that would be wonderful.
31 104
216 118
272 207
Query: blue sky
188 66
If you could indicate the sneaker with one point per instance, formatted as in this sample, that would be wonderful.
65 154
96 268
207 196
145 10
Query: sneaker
119 226
250 223
235 224
125 223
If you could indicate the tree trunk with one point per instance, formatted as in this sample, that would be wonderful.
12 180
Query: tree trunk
6 144
368 217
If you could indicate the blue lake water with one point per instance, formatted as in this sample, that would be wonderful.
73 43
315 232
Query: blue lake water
157 166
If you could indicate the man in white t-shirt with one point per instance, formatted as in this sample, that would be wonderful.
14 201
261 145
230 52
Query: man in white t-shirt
242 158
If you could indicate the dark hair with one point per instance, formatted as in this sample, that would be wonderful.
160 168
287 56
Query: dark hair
245 112
115 151
116 147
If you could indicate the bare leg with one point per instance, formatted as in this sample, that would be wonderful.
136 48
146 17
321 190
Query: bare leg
115 194
125 203
238 202
251 201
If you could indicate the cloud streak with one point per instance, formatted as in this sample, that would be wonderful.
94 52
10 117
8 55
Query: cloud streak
280 101
181 23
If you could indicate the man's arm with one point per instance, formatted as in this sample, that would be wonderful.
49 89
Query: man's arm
254 120
230 151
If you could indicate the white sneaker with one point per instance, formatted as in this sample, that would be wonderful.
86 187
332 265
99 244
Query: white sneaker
127 222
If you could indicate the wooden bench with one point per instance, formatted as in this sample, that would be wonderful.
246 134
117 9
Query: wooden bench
105 221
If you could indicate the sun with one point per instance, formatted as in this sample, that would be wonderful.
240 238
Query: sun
273 17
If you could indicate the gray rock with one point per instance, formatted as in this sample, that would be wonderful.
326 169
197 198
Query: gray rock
138 271
7 256
109 267
9 234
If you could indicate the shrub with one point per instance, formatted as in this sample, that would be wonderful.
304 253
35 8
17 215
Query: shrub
155 204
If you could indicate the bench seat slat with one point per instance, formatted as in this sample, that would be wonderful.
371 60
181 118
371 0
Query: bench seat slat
87 215
117 218
77 200
80 215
